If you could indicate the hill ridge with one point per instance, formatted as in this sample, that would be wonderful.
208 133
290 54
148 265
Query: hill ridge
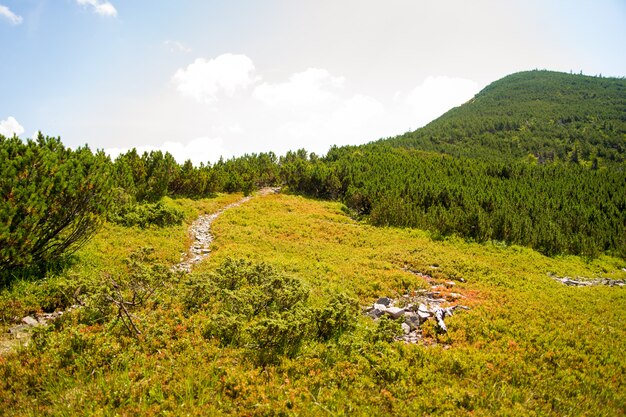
542 114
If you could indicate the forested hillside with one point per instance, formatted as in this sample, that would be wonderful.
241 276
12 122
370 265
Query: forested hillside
537 114
536 158
554 208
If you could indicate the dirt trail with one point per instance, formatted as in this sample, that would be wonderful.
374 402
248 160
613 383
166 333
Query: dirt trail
200 231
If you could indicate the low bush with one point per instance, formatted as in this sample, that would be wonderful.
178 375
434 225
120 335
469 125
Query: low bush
254 307
145 215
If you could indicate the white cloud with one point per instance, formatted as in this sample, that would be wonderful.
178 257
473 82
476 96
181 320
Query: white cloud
313 86
206 80
436 95
10 127
198 150
103 8
175 46
346 121
357 111
8 14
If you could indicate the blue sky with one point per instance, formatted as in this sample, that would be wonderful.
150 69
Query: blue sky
208 78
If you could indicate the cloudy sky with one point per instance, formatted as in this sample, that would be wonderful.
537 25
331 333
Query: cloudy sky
204 78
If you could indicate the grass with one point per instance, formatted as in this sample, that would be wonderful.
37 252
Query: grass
528 346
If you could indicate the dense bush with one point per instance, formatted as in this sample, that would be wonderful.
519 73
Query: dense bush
144 215
53 199
554 208
254 307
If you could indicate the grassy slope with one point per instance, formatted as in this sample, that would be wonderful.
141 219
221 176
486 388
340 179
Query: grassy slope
528 346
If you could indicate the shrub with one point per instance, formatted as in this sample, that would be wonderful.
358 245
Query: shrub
255 307
52 199
387 330
332 320
144 215
116 297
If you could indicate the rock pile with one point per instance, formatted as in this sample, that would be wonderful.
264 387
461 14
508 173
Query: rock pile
415 309
584 282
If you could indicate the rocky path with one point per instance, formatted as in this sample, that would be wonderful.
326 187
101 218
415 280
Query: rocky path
200 231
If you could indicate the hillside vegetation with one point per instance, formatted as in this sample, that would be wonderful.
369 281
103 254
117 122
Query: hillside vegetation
528 346
545 115
536 158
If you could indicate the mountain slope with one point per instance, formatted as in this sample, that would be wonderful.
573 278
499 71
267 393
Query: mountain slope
535 159
550 115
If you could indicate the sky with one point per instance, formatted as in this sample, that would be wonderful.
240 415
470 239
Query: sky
203 78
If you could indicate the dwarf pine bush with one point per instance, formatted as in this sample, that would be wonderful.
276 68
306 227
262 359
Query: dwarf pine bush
53 199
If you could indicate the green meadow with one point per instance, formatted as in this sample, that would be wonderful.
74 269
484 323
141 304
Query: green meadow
210 344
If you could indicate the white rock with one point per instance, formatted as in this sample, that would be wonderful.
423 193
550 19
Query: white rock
30 321
423 315
395 312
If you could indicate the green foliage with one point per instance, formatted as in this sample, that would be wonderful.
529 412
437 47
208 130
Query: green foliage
555 208
153 175
117 296
538 160
53 199
335 318
386 330
549 115
528 346
266 312
146 214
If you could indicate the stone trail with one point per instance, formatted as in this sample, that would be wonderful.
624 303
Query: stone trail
202 238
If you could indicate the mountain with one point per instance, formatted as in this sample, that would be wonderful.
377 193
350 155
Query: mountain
535 114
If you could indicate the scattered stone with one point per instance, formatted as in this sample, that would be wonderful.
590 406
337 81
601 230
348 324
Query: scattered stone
375 313
380 307
395 312
423 316
413 320
439 315
384 301
586 282
419 307
30 321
